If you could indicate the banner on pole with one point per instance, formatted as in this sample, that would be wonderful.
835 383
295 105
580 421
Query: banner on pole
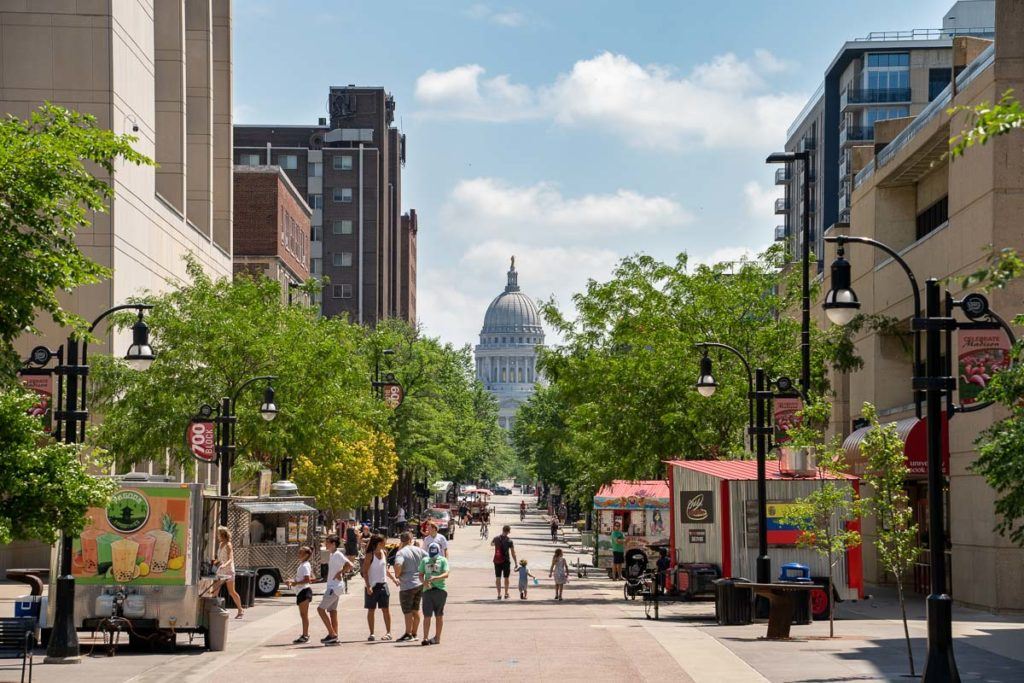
784 415
42 386
202 441
981 354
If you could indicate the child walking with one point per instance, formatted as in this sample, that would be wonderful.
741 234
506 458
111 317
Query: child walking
560 570
524 574
303 577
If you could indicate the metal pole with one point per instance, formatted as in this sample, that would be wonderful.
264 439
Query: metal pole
941 664
764 567
225 421
805 295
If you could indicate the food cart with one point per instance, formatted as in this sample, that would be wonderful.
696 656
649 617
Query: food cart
443 493
714 522
642 509
268 532
142 557
478 501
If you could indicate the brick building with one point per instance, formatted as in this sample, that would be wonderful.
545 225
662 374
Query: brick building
407 267
272 226
350 167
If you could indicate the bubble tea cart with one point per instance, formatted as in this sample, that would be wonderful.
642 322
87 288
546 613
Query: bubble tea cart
642 510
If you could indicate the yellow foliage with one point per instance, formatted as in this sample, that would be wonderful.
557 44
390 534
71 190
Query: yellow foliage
344 473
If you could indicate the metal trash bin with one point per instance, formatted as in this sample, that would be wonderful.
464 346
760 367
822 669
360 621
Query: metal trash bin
794 572
216 626
245 584
732 604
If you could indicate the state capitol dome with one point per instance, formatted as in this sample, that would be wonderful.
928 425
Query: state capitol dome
506 357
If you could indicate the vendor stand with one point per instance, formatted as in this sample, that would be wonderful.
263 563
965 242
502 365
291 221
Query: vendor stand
642 510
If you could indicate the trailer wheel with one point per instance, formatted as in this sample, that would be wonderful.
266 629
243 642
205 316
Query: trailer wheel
267 583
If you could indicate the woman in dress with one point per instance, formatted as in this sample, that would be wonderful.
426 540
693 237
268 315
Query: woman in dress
225 564
560 570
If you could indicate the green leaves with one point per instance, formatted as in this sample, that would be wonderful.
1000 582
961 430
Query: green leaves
987 121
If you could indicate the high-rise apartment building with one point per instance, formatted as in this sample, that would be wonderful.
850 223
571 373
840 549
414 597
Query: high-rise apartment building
885 75
350 166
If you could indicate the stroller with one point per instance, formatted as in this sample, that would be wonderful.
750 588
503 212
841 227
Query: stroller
636 567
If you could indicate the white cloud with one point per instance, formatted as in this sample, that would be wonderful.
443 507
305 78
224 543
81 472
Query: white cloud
488 206
727 255
507 18
725 102
760 203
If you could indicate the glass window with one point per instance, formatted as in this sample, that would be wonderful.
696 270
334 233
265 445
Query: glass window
316 266
249 159
342 227
341 291
316 233
342 195
288 161
314 169
315 201
342 162
343 259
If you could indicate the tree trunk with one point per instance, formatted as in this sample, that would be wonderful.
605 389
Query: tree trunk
906 629
831 602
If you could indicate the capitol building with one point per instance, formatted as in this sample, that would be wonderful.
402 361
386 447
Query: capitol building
506 357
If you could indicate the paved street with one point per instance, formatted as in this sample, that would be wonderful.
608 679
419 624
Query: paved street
592 636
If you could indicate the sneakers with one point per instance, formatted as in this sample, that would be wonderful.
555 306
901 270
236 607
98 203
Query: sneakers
300 640
329 640
371 638
404 637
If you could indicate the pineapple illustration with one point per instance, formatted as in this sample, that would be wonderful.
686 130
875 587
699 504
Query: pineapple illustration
167 524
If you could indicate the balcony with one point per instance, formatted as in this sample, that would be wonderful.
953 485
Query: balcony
781 205
807 143
782 175
780 233
865 96
852 134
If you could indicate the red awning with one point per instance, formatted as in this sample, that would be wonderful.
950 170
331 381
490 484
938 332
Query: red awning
914 434
621 488
741 470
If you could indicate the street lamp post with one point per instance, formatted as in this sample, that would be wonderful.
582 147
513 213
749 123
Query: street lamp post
378 388
805 263
226 420
70 420
841 305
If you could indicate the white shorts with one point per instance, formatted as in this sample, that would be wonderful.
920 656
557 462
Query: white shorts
329 602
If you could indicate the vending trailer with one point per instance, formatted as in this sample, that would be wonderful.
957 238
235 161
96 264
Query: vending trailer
642 510
714 521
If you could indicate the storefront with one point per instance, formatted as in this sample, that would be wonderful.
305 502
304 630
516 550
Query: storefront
640 508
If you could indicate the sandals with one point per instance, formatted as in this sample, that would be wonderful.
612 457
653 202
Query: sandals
387 636
371 638
430 641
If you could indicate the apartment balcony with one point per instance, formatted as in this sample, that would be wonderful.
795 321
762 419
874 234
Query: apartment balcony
849 135
780 233
860 97
781 205
810 206
782 175
807 143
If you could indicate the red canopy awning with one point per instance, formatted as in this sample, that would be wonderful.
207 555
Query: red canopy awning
914 434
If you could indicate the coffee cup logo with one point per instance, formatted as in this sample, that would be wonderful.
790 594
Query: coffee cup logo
697 507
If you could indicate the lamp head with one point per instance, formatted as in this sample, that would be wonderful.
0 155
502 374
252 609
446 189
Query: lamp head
140 354
268 409
841 303
706 384
780 158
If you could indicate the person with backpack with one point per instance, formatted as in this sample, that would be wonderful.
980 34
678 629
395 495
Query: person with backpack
504 556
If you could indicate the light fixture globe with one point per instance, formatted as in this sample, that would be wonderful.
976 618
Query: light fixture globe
140 354
841 304
706 384
268 409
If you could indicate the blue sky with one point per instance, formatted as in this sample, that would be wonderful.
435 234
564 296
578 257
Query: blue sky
570 133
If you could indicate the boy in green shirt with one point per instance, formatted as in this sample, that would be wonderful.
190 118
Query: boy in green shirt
433 573
618 543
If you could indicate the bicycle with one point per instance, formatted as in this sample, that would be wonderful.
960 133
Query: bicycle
484 531
522 515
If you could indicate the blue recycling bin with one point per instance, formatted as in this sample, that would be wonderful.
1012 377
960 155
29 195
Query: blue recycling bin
794 572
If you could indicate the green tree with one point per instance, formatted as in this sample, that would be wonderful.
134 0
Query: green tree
48 191
347 471
987 121
895 530
46 485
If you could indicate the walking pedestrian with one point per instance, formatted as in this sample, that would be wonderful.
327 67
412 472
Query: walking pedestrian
560 570
410 586
351 538
433 537
434 575
485 521
618 543
504 555
303 577
554 530
337 563
225 564
400 519
463 513
524 579
378 596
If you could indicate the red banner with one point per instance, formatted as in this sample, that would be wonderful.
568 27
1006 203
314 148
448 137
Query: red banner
201 441
42 385
784 413
393 395
982 353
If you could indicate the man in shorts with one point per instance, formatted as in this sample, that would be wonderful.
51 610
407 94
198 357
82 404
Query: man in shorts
433 537
504 556
337 564
410 586
352 538
433 573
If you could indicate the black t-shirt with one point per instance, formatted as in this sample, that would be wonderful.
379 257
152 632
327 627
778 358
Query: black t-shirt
351 541
504 544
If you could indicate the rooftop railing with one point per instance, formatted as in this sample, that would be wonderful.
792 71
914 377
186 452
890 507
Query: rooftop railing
928 33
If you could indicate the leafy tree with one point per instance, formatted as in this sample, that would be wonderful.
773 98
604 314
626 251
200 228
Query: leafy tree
46 485
48 191
821 516
895 531
988 121
344 473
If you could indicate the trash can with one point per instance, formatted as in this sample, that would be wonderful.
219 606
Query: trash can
732 604
794 572
216 626
245 584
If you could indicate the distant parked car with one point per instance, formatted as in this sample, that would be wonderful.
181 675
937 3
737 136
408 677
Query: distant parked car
502 491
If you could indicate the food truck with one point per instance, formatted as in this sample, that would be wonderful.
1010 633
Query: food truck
642 510
145 556
714 522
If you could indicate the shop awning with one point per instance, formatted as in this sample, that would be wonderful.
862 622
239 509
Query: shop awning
440 486
263 507
914 435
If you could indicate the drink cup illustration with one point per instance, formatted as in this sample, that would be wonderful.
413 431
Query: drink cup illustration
161 549
90 556
124 553
146 547
103 555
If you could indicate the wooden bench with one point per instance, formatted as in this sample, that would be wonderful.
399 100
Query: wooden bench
782 599
17 640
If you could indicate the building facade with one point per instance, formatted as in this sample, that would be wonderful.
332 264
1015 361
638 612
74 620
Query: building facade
506 357
939 216
350 167
272 226
885 75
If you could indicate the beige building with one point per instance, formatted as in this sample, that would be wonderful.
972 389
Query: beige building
156 69
939 216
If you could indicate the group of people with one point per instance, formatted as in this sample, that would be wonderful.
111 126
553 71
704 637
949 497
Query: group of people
505 557
419 572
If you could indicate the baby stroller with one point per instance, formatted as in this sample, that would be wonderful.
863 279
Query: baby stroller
636 566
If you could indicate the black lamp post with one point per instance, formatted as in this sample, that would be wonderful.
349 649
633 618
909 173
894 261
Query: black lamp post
805 263
225 421
70 419
841 305
758 396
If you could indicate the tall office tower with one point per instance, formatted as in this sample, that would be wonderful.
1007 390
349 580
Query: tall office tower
350 166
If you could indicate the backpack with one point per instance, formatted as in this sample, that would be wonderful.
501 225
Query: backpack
499 550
